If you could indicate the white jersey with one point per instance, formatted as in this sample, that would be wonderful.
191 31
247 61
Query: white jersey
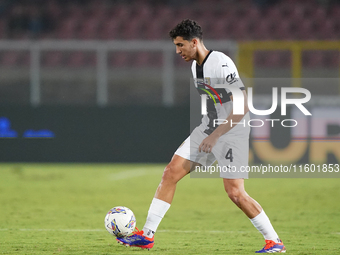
217 68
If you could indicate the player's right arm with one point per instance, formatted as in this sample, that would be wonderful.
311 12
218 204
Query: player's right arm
209 142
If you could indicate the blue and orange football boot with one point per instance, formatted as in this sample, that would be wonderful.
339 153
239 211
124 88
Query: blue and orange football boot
137 239
272 247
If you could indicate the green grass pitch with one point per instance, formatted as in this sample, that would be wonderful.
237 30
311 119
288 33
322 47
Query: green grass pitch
60 209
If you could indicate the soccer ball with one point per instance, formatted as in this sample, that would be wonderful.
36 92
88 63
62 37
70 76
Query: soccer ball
120 221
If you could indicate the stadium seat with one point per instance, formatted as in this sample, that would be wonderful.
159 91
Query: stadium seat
121 12
332 59
253 13
25 59
132 29
75 10
10 58
164 13
165 16
286 59
270 59
143 11
290 19
52 59
119 59
335 13
68 28
15 58
305 30
284 30
263 30
184 13
141 59
319 14
82 59
328 30
2 28
218 29
273 14
204 23
77 59
241 30
109 29
273 59
313 59
89 28
155 59
204 5
296 12
54 9
259 58
99 9
154 31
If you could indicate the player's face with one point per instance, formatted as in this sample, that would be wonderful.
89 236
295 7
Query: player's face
185 48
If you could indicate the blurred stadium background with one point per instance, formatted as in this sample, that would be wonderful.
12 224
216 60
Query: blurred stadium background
99 81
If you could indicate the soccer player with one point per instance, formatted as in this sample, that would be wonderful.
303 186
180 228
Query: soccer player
228 144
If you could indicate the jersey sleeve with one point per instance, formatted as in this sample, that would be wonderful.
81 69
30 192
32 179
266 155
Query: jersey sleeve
228 74
193 69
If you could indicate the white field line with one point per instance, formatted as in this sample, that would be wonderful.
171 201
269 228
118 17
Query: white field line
159 231
51 230
202 231
103 230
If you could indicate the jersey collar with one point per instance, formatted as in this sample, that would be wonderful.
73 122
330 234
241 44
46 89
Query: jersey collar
205 59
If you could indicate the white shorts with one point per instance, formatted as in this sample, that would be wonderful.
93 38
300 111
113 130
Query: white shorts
231 154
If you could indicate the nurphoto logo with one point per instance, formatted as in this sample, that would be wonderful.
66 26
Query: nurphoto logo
238 104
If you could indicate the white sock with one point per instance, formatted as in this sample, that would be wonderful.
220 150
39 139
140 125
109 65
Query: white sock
157 210
262 223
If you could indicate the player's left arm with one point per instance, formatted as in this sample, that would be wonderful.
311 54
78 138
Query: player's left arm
209 142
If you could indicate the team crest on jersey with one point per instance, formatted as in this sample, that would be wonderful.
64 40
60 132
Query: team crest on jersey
204 87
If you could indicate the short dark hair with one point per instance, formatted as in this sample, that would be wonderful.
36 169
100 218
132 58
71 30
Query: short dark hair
188 29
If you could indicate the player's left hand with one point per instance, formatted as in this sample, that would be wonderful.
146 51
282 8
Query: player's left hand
208 143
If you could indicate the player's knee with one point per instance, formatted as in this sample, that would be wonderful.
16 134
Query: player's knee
170 173
235 195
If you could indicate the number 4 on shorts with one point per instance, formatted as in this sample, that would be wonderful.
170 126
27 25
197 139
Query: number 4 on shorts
229 155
